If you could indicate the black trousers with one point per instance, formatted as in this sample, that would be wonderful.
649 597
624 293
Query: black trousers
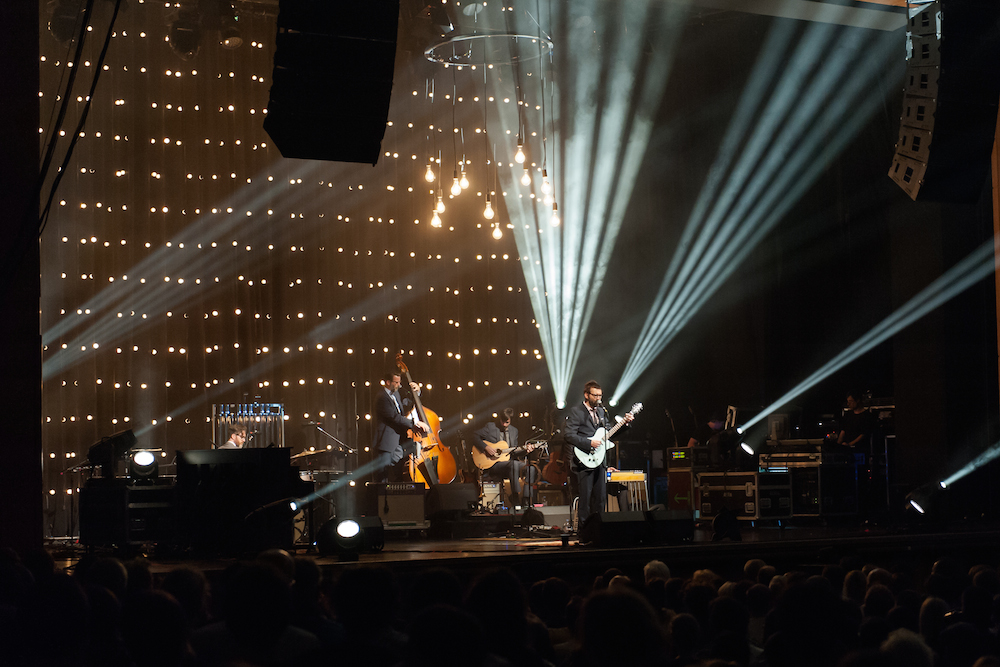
593 485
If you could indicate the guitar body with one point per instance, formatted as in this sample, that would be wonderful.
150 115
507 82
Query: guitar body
556 471
484 462
595 457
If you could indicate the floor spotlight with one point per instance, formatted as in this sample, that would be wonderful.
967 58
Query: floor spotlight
347 538
143 466
926 499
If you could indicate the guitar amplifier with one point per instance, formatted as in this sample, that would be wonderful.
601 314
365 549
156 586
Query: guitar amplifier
400 505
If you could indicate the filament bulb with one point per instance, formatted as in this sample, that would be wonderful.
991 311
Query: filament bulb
546 186
519 156
497 232
464 183
429 174
456 189
440 205
435 219
526 177
555 220
488 211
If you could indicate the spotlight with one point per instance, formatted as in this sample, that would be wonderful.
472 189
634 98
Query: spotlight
926 499
186 34
746 448
229 37
64 17
143 467
229 32
349 537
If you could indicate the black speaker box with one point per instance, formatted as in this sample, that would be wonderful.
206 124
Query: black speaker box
452 498
616 529
671 526
950 101
332 78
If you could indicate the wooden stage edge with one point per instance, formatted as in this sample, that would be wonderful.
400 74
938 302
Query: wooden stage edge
536 554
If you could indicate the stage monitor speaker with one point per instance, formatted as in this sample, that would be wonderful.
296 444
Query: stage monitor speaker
452 498
950 101
670 526
616 529
332 78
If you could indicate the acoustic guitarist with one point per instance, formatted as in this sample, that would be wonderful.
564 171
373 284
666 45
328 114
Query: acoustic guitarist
582 423
497 449
391 441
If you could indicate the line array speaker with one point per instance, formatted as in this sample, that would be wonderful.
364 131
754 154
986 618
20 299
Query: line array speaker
950 100
332 78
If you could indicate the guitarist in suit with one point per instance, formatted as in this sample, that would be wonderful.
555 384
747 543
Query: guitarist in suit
391 441
582 422
502 433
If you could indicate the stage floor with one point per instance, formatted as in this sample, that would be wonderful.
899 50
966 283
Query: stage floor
804 544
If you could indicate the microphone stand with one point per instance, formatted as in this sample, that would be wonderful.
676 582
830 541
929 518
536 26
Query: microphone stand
602 421
344 448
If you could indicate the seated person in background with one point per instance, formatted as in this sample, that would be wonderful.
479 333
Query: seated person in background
237 437
496 439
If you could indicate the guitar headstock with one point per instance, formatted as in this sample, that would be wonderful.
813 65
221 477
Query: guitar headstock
636 409
400 364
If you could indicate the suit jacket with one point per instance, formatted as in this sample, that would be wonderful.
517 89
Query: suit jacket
580 428
391 424
492 433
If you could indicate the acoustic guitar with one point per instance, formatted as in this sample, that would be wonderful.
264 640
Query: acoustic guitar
484 462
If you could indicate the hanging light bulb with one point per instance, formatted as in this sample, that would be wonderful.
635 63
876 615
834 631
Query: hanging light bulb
456 189
435 219
519 156
440 205
548 199
497 232
526 177
488 211
554 220
429 174
464 183
546 186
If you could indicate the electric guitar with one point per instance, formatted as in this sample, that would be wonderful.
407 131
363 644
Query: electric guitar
594 457
484 462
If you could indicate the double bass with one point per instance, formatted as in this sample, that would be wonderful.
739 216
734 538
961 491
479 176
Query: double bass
433 463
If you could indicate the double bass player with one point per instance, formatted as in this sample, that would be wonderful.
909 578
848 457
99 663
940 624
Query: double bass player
392 442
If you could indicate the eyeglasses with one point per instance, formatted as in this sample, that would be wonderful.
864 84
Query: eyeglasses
596 395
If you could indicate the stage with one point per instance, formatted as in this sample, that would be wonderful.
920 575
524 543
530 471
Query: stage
534 553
